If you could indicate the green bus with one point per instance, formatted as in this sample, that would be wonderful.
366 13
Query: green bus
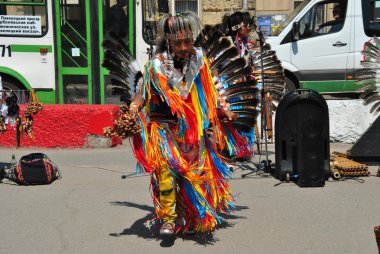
54 46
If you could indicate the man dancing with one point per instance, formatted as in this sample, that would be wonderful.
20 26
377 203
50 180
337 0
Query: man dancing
176 106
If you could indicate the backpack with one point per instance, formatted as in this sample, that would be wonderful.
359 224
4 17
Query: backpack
34 169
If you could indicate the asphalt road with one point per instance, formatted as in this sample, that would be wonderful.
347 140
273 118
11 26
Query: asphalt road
93 210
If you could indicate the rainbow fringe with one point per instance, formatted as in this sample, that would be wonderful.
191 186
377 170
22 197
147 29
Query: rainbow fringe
240 144
203 188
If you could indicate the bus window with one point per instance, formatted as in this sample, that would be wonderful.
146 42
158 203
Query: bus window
152 12
26 18
73 33
371 17
75 89
117 18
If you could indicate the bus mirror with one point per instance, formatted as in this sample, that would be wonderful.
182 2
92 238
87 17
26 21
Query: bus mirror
296 31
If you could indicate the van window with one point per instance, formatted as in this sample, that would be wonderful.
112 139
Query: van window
287 21
371 17
323 18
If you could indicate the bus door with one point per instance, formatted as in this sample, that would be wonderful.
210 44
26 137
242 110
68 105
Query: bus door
118 16
80 28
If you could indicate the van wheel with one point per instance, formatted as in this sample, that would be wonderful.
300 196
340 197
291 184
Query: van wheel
289 85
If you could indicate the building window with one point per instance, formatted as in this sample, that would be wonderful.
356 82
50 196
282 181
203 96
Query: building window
186 5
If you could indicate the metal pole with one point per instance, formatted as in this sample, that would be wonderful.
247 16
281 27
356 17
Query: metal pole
245 4
263 112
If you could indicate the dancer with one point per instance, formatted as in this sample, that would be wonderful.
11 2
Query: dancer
176 106
238 26
266 67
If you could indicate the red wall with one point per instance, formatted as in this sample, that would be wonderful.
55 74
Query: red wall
63 125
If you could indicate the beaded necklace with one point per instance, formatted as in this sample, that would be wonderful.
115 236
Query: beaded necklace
169 64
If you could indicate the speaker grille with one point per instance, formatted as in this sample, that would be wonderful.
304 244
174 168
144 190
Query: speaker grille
302 138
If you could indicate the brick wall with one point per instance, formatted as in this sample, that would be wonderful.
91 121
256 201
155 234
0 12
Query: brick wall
213 11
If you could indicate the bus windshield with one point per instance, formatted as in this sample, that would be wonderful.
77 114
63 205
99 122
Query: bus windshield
290 18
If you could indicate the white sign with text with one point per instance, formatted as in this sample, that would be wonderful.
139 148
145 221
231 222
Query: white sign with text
20 25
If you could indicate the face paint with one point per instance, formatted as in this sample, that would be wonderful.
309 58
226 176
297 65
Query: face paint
181 44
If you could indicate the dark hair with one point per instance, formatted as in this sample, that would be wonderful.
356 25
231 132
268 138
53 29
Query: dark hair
342 10
230 22
337 7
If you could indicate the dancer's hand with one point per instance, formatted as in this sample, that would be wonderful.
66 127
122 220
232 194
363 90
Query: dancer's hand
135 105
230 115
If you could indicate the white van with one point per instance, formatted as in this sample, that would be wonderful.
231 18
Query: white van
320 43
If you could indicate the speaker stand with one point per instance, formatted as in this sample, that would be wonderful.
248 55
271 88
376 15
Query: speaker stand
263 167
260 169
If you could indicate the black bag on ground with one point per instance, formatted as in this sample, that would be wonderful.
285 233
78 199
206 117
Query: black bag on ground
33 169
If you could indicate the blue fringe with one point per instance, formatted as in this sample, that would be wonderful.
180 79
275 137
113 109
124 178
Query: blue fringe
220 165
202 100
196 200
250 136
182 127
231 142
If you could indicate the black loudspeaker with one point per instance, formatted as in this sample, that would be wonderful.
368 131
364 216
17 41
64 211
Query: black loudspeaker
302 138
367 148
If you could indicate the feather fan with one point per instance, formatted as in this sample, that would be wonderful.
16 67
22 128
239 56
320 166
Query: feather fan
369 76
124 69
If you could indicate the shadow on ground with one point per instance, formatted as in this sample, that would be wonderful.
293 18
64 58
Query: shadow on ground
140 227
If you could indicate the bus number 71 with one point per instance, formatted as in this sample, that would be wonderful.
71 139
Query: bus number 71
4 49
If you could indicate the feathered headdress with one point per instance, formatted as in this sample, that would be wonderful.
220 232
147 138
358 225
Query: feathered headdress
241 95
126 75
171 27
232 23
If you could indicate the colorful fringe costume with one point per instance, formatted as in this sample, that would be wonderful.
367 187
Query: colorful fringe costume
188 176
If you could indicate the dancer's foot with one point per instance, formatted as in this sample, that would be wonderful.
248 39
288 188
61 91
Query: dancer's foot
191 232
167 228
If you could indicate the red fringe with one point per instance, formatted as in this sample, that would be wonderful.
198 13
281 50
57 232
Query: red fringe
243 148
140 154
